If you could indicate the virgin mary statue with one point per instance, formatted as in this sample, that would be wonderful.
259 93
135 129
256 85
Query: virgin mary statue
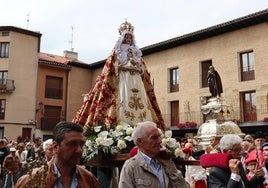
122 92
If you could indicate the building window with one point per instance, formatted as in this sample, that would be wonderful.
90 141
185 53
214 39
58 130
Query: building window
3 77
249 106
247 66
53 87
2 108
4 49
52 116
174 113
204 71
5 33
174 79
3 80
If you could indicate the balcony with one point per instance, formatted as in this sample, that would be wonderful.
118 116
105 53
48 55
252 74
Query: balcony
7 86
249 122
234 113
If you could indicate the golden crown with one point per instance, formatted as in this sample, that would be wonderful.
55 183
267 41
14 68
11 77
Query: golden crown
126 26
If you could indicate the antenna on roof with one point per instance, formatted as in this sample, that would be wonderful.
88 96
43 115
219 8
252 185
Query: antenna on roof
71 41
28 19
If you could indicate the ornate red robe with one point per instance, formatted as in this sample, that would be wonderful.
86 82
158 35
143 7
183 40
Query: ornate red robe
101 105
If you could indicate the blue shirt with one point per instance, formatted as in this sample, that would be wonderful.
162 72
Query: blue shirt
59 184
156 168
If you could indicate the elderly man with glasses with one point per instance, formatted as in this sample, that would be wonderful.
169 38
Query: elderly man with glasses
233 175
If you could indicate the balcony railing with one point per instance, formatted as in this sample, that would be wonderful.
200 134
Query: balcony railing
234 114
248 73
7 86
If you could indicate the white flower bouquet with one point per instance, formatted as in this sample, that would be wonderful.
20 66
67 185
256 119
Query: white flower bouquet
106 142
171 144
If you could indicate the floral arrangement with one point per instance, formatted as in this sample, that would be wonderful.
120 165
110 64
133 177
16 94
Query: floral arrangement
101 141
171 144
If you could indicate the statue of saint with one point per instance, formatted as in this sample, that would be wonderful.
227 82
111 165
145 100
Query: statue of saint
214 82
123 91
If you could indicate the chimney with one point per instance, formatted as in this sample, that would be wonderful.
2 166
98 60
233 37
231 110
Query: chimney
70 55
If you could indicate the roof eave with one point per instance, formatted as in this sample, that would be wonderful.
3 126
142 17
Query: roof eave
239 23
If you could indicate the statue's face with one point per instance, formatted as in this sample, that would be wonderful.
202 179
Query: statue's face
211 68
128 39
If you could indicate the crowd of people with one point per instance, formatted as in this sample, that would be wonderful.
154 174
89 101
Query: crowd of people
23 161
13 159
228 162
128 96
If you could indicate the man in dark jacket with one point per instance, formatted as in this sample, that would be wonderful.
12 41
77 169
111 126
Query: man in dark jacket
234 176
36 151
4 151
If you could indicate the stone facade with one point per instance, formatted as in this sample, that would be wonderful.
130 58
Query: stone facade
21 65
223 50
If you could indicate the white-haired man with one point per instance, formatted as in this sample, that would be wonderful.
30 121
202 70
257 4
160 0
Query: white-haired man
147 168
234 176
48 149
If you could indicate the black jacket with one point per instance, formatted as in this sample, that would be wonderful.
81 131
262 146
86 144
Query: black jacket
31 154
3 153
221 178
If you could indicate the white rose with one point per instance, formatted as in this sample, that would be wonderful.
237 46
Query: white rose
177 145
106 142
121 144
88 143
129 131
98 140
117 133
171 142
128 138
103 134
178 152
90 148
119 128
164 142
168 134
97 129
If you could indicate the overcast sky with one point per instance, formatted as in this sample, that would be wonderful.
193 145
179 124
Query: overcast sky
95 22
